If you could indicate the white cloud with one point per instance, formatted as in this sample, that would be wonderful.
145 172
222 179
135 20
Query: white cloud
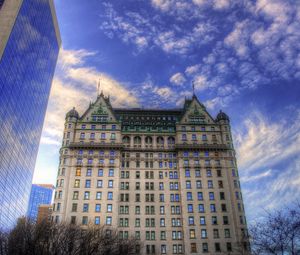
163 5
177 79
237 39
163 92
263 144
201 82
73 57
253 177
192 69
221 4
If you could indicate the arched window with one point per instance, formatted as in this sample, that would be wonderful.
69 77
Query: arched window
171 140
148 140
160 140
126 139
137 140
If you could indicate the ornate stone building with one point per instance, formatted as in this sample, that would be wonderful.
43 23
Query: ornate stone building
168 177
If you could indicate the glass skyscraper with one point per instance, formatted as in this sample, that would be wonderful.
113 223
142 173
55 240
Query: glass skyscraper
29 46
41 194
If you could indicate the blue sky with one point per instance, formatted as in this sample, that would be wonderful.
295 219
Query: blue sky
244 57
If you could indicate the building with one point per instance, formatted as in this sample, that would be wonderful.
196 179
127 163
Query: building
169 177
44 213
29 46
41 194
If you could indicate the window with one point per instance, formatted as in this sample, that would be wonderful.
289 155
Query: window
193 248
197 173
227 233
162 210
208 173
229 247
78 172
98 195
162 235
188 185
137 222
77 184
163 249
190 208
211 196
111 172
73 219
223 208
137 197
192 234
85 207
210 184
187 173
202 220
217 247
110 183
161 198
86 195
89 172
200 196
74 207
201 208
204 138
203 233
225 220
194 137
97 220
87 183
113 127
212 208
216 233
109 208
108 220
82 135
109 196
162 222
189 196
183 137
100 172
97 208
84 220
75 195
112 136
214 220
102 136
99 183
191 220
204 247
198 184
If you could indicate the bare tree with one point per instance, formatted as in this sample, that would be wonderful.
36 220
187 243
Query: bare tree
277 233
31 238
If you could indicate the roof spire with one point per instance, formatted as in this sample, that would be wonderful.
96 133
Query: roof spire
193 85
98 86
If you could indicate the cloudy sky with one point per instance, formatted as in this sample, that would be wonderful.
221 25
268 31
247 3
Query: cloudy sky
244 57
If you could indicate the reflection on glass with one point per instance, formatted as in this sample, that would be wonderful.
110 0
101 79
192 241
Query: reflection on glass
26 71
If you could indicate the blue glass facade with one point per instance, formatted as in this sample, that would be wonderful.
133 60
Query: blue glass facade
26 71
39 195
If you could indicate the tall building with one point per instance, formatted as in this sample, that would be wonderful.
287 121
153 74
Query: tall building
29 46
168 177
41 194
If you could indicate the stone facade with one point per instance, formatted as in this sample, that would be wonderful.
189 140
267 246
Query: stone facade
167 177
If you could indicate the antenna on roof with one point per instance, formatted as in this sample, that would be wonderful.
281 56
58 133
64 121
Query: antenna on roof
193 85
98 87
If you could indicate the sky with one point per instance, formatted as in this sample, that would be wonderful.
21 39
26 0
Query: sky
244 57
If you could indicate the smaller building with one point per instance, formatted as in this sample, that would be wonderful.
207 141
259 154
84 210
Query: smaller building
41 194
44 213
